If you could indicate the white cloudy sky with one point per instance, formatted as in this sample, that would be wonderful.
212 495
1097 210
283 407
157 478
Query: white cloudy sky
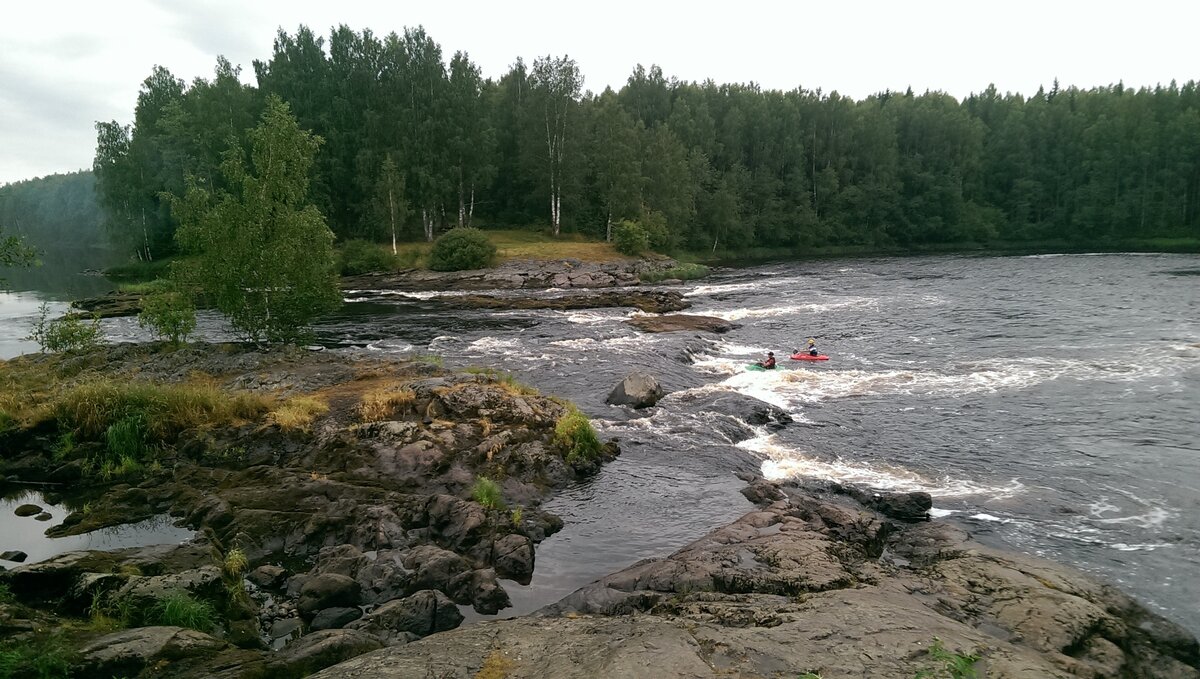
64 64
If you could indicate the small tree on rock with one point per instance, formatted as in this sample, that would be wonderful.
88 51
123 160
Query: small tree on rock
263 253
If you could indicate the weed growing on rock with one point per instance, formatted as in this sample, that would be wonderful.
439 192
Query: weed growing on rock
516 517
953 665
235 563
381 404
575 436
487 493
181 609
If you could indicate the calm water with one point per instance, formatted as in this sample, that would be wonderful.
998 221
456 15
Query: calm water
1048 403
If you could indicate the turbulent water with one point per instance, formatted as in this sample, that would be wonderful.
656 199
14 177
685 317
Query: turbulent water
1048 404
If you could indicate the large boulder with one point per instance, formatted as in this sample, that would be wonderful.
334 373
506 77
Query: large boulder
419 615
682 322
328 590
319 650
638 390
127 652
513 558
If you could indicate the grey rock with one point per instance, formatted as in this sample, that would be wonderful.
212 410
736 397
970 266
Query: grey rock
321 649
421 614
335 618
328 590
128 651
639 390
267 576
513 558
285 627
44 516
14 555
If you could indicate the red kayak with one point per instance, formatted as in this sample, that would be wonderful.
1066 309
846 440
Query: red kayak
809 357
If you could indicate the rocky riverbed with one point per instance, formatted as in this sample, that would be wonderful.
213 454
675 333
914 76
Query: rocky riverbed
366 521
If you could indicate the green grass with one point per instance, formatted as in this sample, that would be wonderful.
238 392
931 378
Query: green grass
6 595
505 379
44 657
487 493
164 409
684 272
516 517
574 435
951 664
235 563
180 609
144 287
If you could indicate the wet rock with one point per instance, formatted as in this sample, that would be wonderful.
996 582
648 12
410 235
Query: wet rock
322 649
682 323
142 592
328 590
433 567
335 618
245 634
27 510
513 558
127 652
286 627
112 305
421 614
763 492
649 301
481 590
44 516
267 576
14 555
639 390
902 506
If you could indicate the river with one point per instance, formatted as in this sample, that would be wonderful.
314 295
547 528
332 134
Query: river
1048 403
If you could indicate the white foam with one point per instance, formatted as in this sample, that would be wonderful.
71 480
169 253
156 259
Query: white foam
988 517
783 462
789 310
1151 519
937 513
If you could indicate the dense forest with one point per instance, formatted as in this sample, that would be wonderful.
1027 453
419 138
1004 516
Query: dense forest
54 212
421 143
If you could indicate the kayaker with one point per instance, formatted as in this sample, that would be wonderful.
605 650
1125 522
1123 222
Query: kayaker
768 364
812 346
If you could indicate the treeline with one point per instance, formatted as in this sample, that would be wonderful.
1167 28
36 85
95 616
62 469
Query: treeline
54 212
415 143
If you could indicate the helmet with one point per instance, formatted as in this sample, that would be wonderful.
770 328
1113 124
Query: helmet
770 353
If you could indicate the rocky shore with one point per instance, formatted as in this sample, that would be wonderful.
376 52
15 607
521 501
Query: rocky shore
817 583
366 522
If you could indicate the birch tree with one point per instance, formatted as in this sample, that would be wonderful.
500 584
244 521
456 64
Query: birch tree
557 84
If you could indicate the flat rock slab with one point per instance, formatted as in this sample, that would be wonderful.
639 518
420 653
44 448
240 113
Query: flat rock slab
682 323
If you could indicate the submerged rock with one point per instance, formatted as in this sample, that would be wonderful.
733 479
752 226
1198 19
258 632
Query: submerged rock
27 510
638 390
682 322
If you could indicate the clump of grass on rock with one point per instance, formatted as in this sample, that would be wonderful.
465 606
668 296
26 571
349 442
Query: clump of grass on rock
576 437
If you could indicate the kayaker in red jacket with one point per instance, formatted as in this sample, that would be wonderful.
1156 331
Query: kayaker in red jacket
768 364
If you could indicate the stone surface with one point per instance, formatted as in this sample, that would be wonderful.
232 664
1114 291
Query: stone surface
421 614
335 618
638 390
649 301
514 558
15 555
267 576
127 652
328 590
816 582
321 649
682 323
27 510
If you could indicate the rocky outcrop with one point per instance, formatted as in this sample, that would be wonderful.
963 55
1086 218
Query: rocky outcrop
514 275
112 305
682 323
816 582
649 301
128 652
638 390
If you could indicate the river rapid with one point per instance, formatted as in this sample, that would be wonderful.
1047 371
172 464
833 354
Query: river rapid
1048 403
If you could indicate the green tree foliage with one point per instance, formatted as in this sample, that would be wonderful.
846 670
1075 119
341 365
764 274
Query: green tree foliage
461 249
68 333
630 238
14 252
263 254
362 256
724 166
169 314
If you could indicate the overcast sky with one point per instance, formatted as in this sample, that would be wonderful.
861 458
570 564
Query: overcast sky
66 64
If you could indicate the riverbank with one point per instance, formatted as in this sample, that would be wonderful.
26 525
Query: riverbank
369 497
818 582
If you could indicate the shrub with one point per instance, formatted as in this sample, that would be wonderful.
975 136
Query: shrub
487 493
169 314
363 256
180 609
629 238
574 435
460 249
68 333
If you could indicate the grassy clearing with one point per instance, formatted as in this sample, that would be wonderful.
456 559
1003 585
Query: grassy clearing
511 244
